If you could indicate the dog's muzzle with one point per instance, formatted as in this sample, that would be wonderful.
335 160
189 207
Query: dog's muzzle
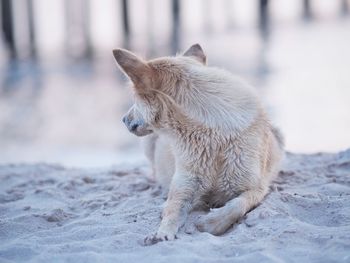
137 127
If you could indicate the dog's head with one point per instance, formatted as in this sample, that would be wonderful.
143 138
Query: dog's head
155 84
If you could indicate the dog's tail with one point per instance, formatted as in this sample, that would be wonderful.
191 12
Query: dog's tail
279 137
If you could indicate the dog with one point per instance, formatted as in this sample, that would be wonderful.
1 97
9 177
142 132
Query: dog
209 140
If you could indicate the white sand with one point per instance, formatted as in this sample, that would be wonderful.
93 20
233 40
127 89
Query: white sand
52 214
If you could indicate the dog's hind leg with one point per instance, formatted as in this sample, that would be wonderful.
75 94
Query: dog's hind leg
218 220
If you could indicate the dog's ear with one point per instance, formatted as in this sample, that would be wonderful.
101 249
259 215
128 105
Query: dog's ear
197 53
133 66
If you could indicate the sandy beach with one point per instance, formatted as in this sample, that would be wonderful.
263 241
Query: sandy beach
49 213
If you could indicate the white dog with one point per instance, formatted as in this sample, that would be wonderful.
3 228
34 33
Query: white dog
209 141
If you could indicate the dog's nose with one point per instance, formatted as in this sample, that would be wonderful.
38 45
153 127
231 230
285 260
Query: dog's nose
125 119
134 126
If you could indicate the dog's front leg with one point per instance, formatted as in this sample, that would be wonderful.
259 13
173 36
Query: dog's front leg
177 206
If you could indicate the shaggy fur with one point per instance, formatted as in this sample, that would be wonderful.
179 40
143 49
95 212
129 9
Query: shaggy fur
209 139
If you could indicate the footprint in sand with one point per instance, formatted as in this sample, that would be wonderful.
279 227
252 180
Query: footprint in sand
329 212
57 215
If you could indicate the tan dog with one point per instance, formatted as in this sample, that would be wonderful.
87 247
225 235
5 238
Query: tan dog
211 140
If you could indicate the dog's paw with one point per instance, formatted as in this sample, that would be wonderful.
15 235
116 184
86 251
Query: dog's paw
158 237
213 224
151 240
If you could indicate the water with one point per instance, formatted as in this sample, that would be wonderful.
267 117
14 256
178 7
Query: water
65 110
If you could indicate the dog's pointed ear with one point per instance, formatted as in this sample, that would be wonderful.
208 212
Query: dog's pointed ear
197 53
136 68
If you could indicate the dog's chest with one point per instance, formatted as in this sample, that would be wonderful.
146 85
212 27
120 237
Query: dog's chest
216 191
215 197
221 170
222 183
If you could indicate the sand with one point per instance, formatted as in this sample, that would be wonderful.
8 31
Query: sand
49 213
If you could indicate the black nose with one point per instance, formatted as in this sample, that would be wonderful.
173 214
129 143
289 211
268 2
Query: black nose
124 119
133 126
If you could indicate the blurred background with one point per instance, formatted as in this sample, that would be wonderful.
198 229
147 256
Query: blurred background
62 96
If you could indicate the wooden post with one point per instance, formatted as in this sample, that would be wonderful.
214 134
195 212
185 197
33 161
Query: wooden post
344 9
86 29
263 14
7 26
307 14
125 22
176 25
32 42
264 19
